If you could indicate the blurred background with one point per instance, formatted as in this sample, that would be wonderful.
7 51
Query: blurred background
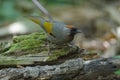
99 21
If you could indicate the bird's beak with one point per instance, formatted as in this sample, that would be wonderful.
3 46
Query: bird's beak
35 19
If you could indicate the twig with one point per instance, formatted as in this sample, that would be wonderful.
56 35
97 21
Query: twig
42 9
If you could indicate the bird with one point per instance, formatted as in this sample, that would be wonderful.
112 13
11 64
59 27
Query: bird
57 32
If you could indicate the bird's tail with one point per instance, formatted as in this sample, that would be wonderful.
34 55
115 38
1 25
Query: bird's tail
46 25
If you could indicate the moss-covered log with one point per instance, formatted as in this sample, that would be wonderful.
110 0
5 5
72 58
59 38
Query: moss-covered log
27 44
27 49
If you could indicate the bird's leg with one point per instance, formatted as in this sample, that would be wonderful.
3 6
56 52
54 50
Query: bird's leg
49 48
74 47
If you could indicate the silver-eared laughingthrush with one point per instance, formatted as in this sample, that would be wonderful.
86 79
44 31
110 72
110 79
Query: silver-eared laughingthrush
57 32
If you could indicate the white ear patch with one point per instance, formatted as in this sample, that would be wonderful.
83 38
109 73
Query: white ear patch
66 31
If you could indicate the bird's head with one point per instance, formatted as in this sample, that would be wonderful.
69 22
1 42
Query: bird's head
73 30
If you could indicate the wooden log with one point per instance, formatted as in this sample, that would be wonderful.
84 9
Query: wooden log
73 69
54 71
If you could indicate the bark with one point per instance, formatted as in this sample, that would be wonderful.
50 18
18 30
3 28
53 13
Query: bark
73 69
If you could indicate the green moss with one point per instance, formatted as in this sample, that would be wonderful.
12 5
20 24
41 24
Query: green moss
26 44
117 72
24 59
4 46
58 53
38 36
34 43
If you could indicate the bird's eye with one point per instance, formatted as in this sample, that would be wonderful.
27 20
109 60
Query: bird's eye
73 31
